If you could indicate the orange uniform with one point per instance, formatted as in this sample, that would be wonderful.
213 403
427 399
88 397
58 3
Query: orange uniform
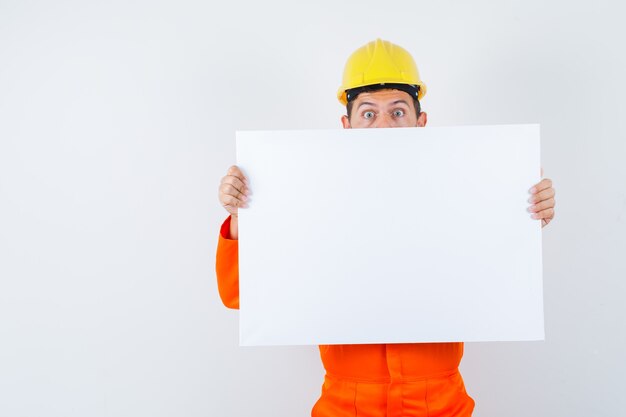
375 380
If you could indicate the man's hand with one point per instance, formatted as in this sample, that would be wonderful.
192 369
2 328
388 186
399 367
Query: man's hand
233 190
542 199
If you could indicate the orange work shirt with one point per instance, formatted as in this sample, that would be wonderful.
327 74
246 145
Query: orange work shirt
371 380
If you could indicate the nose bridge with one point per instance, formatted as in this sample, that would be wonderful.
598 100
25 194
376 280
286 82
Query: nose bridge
383 120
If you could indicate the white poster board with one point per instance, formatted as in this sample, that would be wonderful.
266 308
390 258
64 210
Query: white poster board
390 236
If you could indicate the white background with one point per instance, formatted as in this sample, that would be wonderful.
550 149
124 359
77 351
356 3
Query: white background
117 122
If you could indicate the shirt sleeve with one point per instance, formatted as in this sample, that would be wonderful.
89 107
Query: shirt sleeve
227 267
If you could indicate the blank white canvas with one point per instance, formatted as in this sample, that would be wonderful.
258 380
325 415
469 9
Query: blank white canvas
390 236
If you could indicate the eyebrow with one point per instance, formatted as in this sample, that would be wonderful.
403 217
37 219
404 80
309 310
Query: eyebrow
365 103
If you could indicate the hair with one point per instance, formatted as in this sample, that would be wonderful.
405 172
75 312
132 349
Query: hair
416 104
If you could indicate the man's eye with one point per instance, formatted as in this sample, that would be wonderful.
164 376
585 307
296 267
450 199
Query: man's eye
368 114
398 113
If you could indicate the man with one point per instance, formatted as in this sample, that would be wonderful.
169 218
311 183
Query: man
381 88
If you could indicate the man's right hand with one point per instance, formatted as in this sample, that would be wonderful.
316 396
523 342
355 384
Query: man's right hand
233 190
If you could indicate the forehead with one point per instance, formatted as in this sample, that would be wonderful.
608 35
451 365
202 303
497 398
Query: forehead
382 97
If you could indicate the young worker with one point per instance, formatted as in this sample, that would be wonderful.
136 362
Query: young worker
381 88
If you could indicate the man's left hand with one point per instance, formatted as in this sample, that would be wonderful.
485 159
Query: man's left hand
542 199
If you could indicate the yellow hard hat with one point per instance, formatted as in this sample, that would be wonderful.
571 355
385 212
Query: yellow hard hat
380 63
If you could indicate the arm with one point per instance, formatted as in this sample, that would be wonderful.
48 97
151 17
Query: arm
233 194
227 266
